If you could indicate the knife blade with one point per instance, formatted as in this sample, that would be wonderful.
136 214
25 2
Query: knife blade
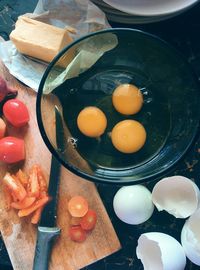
47 229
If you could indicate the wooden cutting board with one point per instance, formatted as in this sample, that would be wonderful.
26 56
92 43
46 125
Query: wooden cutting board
20 236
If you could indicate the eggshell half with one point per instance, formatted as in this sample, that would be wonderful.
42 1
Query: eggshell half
133 204
177 195
190 238
159 251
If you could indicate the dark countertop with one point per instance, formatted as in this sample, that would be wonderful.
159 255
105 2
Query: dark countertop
183 33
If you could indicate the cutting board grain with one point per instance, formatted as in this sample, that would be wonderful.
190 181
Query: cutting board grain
20 236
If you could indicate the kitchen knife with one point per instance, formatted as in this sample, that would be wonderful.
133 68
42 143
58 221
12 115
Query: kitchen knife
47 229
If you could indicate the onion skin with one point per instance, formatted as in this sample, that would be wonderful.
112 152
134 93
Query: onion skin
6 93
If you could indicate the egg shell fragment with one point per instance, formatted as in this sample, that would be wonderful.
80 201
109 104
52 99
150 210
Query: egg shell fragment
190 238
160 251
133 204
177 195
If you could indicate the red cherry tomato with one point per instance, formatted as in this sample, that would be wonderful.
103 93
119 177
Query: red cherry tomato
88 222
77 234
16 112
12 150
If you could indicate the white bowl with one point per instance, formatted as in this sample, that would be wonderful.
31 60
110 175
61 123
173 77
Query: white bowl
151 7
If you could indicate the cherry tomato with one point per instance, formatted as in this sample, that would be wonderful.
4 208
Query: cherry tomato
77 234
12 150
74 221
88 222
78 206
16 112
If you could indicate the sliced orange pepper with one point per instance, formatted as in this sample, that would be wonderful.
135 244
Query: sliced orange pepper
14 198
23 178
33 184
17 180
42 181
37 204
28 194
26 202
15 187
36 216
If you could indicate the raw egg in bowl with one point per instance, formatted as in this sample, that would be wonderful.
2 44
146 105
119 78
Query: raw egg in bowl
129 104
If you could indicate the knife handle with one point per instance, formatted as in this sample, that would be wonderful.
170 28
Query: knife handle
45 238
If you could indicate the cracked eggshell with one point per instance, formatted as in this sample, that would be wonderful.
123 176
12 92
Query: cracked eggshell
177 195
190 238
160 251
133 204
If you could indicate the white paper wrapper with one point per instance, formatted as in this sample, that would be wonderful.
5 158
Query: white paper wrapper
87 55
81 15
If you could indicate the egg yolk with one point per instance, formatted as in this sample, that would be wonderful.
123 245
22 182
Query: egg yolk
127 99
92 122
128 136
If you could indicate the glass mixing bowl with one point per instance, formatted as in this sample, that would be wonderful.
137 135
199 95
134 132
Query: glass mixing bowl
86 73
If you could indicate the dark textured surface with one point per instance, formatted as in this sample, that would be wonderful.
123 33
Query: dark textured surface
183 33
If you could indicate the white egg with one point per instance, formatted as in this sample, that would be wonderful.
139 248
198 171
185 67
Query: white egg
177 195
190 238
133 204
160 251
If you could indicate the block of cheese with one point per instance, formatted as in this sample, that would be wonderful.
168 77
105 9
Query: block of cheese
38 39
